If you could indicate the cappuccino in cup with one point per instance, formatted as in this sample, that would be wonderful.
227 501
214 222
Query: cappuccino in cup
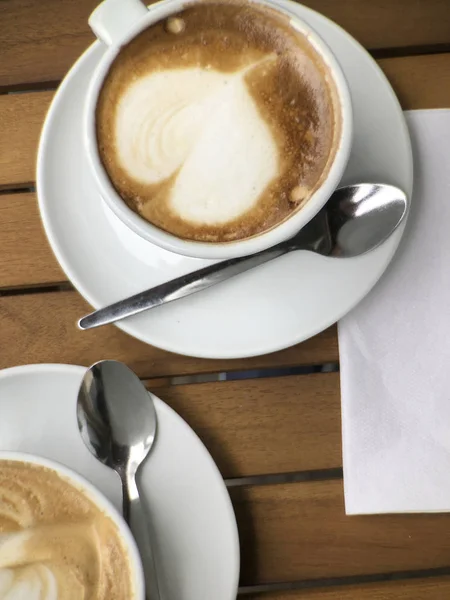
219 122
55 542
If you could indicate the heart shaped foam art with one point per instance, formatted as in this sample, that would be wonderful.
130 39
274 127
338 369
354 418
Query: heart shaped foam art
55 544
199 126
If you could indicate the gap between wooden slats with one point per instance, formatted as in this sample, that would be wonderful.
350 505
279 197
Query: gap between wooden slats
44 329
415 585
40 46
299 532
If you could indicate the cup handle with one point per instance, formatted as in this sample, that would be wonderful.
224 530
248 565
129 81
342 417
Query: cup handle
111 20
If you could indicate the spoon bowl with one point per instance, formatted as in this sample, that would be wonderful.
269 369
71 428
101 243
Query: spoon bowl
116 416
362 217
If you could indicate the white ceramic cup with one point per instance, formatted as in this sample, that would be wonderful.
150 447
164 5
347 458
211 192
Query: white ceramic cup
117 22
101 502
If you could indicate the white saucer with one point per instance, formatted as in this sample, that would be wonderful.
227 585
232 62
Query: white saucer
272 307
193 521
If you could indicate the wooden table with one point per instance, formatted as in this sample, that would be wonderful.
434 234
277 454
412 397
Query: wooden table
276 439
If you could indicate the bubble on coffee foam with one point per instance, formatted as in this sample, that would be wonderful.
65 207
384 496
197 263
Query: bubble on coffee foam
175 25
203 128
299 194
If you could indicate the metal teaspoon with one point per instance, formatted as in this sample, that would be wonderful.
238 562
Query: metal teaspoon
355 220
117 421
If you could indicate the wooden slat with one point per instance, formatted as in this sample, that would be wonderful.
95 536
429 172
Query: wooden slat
433 588
420 81
262 426
41 40
41 44
299 531
43 328
26 257
390 24
21 119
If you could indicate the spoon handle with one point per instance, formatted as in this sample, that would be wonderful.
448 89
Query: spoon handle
137 520
180 287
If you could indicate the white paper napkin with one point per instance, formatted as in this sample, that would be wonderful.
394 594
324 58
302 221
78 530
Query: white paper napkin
395 353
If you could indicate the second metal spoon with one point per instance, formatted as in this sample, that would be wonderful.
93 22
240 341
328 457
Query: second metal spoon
117 421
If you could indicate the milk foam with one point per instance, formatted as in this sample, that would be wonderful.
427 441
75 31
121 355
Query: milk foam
55 543
20 577
35 582
203 128
31 567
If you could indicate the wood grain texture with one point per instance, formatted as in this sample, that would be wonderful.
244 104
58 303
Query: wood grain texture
26 256
299 531
41 42
433 588
21 119
43 327
420 82
390 24
262 426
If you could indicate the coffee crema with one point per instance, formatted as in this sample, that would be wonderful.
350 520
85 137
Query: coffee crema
219 122
55 543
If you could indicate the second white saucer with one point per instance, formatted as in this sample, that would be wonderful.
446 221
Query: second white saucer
193 522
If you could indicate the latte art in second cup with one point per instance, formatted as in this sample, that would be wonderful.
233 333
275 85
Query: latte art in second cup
217 124
55 544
